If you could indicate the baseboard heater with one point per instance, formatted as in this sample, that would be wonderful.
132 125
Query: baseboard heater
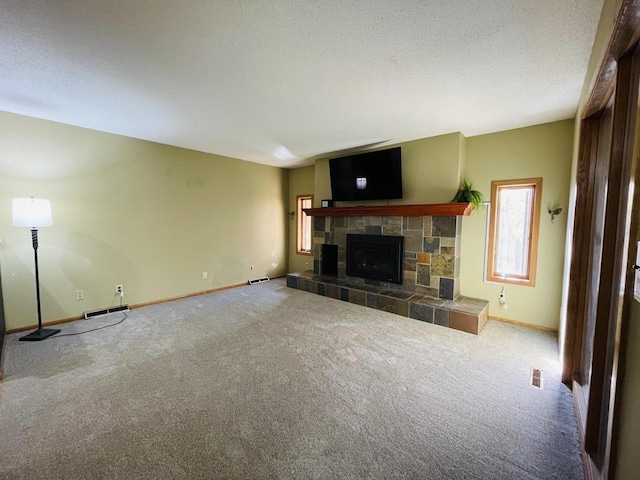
104 311
258 280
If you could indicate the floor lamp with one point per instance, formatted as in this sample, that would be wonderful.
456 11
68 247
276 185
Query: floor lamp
34 213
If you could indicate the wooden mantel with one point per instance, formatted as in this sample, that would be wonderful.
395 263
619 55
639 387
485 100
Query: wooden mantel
434 209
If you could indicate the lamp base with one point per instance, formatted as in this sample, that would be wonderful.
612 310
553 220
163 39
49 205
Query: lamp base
39 334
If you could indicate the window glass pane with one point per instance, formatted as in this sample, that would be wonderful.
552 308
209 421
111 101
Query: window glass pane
306 227
514 230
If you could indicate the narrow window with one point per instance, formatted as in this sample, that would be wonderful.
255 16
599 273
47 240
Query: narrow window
304 224
513 231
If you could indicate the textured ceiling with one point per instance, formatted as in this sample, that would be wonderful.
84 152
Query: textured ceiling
259 79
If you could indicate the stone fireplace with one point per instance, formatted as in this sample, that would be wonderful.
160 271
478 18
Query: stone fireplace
431 254
427 266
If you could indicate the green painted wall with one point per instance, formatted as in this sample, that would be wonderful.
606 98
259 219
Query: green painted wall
301 182
539 151
430 171
148 216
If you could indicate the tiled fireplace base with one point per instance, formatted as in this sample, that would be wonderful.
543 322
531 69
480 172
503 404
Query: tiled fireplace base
464 313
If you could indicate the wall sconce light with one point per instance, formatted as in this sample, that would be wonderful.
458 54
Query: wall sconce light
291 215
553 212
361 183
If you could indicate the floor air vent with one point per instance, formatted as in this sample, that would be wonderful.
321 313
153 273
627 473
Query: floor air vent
258 280
104 311
536 377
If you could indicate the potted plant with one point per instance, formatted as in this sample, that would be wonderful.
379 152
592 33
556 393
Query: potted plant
466 194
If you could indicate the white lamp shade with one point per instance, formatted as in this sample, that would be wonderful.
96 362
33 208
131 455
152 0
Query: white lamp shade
32 212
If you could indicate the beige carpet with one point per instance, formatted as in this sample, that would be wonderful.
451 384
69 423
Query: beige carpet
270 382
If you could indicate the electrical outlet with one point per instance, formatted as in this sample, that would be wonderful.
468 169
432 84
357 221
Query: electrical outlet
306 264
251 267
205 275
79 295
119 290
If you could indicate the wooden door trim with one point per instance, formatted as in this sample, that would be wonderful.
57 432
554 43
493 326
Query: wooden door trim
624 36
577 300
605 348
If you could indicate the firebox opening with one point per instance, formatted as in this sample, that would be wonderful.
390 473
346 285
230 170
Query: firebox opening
375 257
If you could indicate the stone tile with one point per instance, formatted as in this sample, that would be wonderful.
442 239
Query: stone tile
431 245
402 308
421 311
342 254
427 228
448 250
332 291
321 287
423 275
316 266
442 265
465 307
309 285
340 237
458 227
446 288
318 224
456 267
441 317
388 304
344 294
399 294
409 280
405 223
456 288
413 241
444 227
356 223
447 242
292 281
435 282
372 300
317 240
464 322
434 302
357 296
328 238
339 222
372 221
410 255
458 244
429 291
372 282
416 297
424 257
414 223
373 230
410 264
392 225
329 224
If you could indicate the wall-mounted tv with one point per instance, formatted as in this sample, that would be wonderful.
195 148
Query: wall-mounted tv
367 176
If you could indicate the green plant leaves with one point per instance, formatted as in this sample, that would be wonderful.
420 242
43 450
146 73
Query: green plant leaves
466 194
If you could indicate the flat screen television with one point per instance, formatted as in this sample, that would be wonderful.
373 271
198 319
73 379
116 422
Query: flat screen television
367 176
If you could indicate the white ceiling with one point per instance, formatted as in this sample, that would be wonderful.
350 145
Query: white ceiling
253 78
